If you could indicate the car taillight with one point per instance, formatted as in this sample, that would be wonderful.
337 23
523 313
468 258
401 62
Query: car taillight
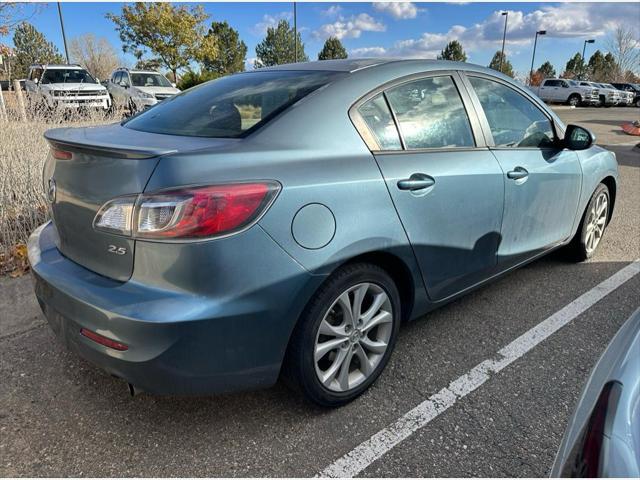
188 213
61 154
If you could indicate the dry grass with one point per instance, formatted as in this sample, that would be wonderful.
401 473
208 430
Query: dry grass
23 151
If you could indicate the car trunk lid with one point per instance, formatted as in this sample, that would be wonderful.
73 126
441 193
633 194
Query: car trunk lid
105 163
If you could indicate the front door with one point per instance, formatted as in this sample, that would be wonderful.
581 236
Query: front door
542 180
448 191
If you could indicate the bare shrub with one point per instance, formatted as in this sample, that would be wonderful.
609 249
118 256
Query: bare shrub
23 151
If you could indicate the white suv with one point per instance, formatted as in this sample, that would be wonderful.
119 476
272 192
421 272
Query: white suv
64 87
139 89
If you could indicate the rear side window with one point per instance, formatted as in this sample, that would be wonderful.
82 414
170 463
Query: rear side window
552 83
378 118
231 106
514 120
431 114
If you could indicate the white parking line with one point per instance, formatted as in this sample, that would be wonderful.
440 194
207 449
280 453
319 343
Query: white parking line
380 443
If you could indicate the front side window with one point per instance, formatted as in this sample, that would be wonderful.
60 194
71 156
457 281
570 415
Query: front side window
377 116
514 120
230 106
431 114
149 80
63 75
552 83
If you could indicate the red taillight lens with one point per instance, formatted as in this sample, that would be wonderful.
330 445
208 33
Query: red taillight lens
189 213
61 154
102 340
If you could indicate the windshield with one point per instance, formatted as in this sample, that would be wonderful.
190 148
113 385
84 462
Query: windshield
231 106
149 80
63 75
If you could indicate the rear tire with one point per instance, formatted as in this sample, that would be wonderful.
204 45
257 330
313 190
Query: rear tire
345 336
592 226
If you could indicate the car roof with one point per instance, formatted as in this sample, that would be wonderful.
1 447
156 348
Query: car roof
51 66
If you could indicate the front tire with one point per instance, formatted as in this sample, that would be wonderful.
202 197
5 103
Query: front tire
574 100
593 224
345 336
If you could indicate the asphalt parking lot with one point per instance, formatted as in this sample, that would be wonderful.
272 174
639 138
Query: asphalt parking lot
59 416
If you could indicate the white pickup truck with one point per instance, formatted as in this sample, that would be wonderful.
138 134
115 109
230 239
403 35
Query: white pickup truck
562 90
609 96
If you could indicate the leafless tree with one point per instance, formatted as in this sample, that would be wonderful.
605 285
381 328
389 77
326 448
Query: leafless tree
95 54
624 44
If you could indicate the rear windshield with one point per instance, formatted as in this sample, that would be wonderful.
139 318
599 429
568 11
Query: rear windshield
231 106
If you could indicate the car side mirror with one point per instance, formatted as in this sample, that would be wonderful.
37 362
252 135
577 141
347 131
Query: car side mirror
35 80
578 138
173 85
123 85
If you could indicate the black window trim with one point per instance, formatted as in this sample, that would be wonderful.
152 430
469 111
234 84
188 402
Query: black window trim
558 131
477 132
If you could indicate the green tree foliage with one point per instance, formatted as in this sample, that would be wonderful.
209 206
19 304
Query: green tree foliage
574 67
546 70
594 69
175 34
332 49
278 47
611 68
507 68
453 51
31 47
191 78
231 51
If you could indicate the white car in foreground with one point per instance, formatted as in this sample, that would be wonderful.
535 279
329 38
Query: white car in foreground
64 87
139 89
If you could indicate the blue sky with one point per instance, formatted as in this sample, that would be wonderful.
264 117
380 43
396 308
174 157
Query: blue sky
389 29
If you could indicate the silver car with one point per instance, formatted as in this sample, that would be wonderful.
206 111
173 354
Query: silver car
603 435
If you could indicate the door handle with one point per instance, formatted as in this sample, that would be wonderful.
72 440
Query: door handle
417 181
518 173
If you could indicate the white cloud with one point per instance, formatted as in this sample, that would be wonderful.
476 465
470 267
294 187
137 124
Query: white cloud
332 11
350 28
269 21
368 52
568 20
398 10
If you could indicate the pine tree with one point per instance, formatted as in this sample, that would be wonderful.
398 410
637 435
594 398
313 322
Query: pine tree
507 68
574 67
546 70
453 51
31 47
231 53
332 49
278 47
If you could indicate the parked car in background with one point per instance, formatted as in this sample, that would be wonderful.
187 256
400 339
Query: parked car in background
608 97
287 220
64 87
561 90
630 88
139 89
603 435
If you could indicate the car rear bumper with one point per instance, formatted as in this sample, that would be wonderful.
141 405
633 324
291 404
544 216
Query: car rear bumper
178 342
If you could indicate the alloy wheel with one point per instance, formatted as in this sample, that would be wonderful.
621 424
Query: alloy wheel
353 337
596 222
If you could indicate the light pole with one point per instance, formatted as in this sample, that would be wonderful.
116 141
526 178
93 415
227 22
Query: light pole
584 63
295 32
64 37
533 57
504 37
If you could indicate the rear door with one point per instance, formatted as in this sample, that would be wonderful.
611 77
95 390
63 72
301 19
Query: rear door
445 184
542 180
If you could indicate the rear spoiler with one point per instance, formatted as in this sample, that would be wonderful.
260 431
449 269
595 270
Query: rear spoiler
69 139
